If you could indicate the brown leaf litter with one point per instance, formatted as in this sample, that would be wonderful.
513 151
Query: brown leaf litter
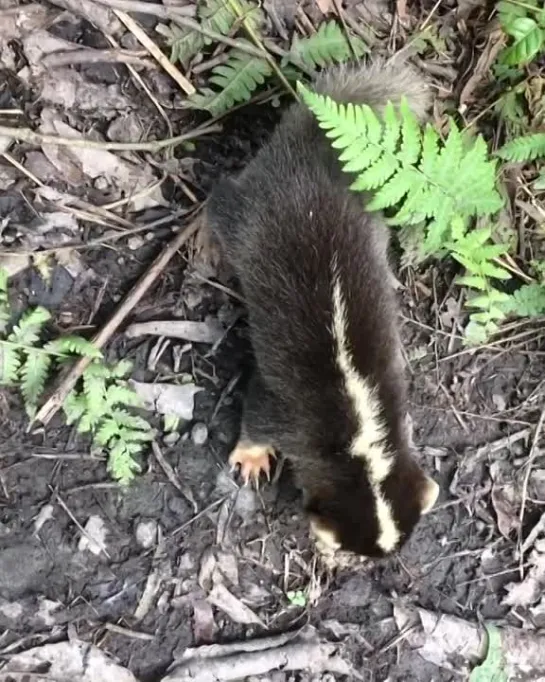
458 645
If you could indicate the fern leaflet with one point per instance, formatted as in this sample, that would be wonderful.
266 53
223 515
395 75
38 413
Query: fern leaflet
27 332
529 41
10 362
327 46
238 79
525 148
33 377
73 345
121 464
527 301
214 15
74 407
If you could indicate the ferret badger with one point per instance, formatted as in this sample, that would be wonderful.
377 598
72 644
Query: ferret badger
329 390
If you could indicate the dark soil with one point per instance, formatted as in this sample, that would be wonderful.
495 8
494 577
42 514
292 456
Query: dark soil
461 402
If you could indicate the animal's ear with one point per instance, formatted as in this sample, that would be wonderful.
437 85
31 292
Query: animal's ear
428 495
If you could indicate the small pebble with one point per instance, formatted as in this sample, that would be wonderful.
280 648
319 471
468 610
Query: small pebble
199 433
171 438
134 243
101 183
146 534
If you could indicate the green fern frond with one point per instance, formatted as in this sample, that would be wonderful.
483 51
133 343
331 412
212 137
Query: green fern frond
525 148
129 421
428 181
184 44
527 301
30 326
10 363
121 369
440 186
120 394
74 407
238 79
328 45
107 430
121 464
220 15
33 374
214 15
94 390
75 345
136 435
529 41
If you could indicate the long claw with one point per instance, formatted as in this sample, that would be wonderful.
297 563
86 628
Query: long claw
253 459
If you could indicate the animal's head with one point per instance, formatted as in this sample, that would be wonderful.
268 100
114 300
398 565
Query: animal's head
353 513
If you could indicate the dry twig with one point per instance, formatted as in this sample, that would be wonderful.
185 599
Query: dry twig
155 52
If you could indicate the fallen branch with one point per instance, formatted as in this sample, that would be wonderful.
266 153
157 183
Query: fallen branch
32 137
49 409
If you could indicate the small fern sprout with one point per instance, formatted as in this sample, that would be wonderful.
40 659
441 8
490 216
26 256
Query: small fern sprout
100 408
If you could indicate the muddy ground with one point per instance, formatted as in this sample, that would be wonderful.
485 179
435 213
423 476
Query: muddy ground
146 597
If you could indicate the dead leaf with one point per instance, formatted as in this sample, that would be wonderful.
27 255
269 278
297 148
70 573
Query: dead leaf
228 566
222 524
210 331
66 87
72 661
95 13
494 44
207 569
13 263
94 539
506 503
168 399
401 9
325 6
45 514
80 163
15 26
527 592
203 621
238 612
443 640
505 498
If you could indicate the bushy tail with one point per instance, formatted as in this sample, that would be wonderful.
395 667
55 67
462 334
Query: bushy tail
375 84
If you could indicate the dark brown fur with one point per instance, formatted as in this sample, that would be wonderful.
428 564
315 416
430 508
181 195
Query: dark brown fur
281 222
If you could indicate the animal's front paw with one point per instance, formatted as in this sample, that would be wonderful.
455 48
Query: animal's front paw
252 459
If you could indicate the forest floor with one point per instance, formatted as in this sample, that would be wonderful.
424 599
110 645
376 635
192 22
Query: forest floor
142 578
